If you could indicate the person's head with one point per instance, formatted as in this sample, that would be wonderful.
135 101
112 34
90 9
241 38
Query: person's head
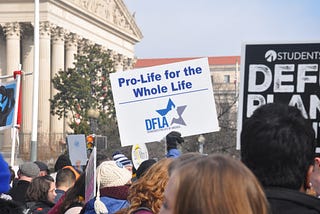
75 194
183 159
144 166
148 190
110 174
41 188
62 161
28 171
278 145
118 156
65 179
4 176
213 184
44 170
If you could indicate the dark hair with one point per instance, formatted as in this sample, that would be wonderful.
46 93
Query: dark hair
38 188
10 207
74 195
65 177
144 166
278 145
62 161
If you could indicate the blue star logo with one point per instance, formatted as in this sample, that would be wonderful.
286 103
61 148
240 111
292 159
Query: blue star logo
173 113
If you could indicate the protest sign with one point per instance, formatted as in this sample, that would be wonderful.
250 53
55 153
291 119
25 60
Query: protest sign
139 153
77 149
90 188
7 104
151 102
281 73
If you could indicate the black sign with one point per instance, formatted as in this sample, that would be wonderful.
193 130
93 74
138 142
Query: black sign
281 73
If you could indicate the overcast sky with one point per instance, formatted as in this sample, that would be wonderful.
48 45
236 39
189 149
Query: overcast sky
191 28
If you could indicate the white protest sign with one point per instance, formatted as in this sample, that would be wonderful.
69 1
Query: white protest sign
139 153
280 73
151 102
77 149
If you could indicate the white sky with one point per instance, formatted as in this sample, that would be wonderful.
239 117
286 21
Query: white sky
191 28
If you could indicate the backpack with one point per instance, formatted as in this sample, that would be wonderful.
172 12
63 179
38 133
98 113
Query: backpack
33 207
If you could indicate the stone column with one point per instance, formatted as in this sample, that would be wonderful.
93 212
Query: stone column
71 49
12 32
27 88
3 66
57 64
44 84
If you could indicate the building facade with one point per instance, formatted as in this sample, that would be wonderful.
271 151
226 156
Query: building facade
65 27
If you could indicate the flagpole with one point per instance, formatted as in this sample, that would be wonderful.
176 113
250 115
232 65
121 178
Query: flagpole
34 133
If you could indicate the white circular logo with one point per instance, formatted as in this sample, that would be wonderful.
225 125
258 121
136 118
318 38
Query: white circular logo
139 154
270 56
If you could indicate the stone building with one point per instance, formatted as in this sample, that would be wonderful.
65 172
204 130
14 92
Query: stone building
65 27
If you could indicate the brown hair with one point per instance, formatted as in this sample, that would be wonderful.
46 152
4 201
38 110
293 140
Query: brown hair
183 159
217 184
148 190
39 188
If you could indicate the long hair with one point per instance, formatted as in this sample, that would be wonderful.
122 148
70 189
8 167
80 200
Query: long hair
39 188
148 190
217 184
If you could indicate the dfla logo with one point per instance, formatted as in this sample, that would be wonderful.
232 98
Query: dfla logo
168 116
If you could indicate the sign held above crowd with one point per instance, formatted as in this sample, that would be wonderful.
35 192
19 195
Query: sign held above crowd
151 102
281 73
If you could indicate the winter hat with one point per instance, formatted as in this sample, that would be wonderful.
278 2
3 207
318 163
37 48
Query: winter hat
29 169
109 174
42 166
144 166
112 174
4 176
117 156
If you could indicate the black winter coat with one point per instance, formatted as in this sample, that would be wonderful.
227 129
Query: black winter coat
285 201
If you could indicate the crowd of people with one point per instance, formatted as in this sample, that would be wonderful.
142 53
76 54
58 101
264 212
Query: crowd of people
278 173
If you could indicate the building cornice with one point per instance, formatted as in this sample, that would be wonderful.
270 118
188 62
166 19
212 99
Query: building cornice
131 32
